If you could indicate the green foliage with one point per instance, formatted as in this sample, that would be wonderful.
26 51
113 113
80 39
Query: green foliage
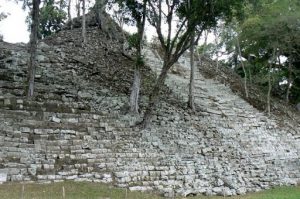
268 24
208 49
133 40
277 27
140 61
52 17
210 12
130 10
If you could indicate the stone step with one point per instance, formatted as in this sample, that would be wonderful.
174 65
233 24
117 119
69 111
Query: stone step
14 103
11 84
77 124
67 125
47 115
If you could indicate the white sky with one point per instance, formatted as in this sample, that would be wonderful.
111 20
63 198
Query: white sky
13 28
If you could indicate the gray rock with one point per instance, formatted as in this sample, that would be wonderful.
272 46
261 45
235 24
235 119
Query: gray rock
241 191
17 178
218 190
140 188
219 182
43 46
55 119
41 58
298 107
84 95
32 170
3 175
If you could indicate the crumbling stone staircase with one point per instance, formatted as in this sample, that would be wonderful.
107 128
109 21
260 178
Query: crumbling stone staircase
226 148
257 138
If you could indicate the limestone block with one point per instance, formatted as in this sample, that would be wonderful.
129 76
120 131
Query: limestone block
72 120
72 132
17 178
121 174
84 95
51 177
241 190
72 177
55 119
43 46
219 183
7 102
32 171
19 101
218 190
141 188
3 175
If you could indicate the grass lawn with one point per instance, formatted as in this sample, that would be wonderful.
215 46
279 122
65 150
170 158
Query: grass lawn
85 190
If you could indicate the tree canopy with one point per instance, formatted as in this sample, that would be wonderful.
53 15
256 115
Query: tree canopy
275 25
52 17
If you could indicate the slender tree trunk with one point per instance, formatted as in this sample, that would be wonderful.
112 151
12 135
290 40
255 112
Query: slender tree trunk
217 52
191 101
205 40
78 8
99 9
83 22
270 83
200 56
250 74
135 89
287 97
32 47
269 90
69 14
243 66
250 66
154 96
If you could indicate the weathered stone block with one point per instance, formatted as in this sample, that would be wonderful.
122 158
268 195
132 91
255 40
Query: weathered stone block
3 175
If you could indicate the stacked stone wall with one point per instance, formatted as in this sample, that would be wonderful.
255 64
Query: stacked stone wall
75 129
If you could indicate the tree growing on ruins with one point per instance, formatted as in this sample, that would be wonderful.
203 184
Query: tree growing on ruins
99 9
137 12
33 46
182 22
83 24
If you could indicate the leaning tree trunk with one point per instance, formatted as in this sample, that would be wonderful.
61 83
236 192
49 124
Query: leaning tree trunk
191 101
69 14
154 96
243 66
83 22
32 47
